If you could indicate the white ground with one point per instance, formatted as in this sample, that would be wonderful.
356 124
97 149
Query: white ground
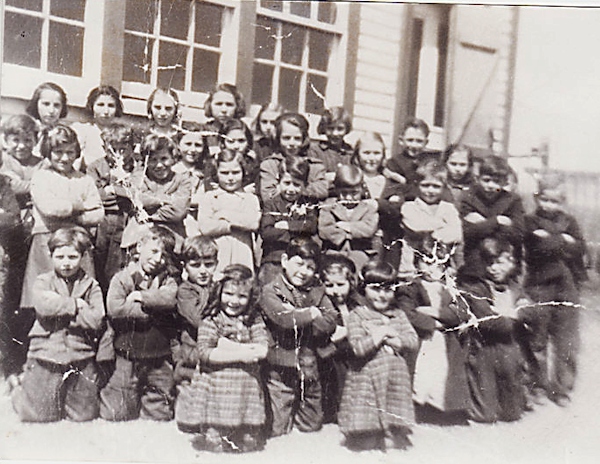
548 435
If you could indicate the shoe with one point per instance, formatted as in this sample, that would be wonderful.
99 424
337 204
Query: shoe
561 400
249 443
213 441
12 382
539 397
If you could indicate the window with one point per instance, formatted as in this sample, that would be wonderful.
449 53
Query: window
296 46
45 34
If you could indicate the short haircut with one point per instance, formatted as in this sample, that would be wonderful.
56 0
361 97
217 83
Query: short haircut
98 92
32 106
240 104
432 169
161 234
166 91
348 176
496 167
304 247
377 272
456 148
275 107
153 143
416 123
337 264
59 135
297 167
236 124
227 156
199 247
296 120
77 237
118 132
491 248
333 116
551 181
368 137
19 124
237 274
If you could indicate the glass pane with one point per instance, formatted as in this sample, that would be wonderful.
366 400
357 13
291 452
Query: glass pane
316 87
264 38
65 49
140 15
262 83
209 22
174 18
206 70
327 12
292 43
137 59
300 9
319 50
289 89
275 5
34 5
71 9
171 65
22 40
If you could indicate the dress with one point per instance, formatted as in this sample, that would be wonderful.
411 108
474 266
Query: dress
377 396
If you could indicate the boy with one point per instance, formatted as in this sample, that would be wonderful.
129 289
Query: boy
141 306
60 375
285 216
300 318
348 223
554 249
488 210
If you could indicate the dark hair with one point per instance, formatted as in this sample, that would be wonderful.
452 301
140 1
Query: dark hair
19 124
347 176
551 181
266 107
198 247
372 137
491 248
98 92
416 123
338 263
77 237
456 148
169 92
376 272
236 124
153 143
163 235
59 135
496 167
32 106
296 120
238 274
432 168
332 116
304 247
227 156
297 167
118 132
240 104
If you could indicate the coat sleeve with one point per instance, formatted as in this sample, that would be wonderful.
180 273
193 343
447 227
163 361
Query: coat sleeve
208 338
258 332
514 232
328 230
188 305
406 332
92 317
117 306
360 339
273 310
268 232
209 222
49 303
326 323
269 178
307 225
318 185
93 210
10 215
45 198
161 299
248 218
174 207
481 308
366 226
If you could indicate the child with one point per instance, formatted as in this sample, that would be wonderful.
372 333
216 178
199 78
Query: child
459 163
264 130
102 107
428 216
348 223
231 343
335 124
61 197
554 250
60 375
338 275
376 409
286 216
291 132
225 102
495 367
237 137
48 105
112 174
163 112
228 214
163 194
300 319
487 210
199 256
141 307
402 166
369 156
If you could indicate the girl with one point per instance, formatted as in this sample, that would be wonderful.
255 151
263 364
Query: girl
369 155
376 409
48 104
264 130
236 136
335 124
229 214
163 112
222 104
231 342
61 197
291 132
102 107
459 163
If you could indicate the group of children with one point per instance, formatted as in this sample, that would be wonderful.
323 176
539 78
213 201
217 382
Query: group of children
248 281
